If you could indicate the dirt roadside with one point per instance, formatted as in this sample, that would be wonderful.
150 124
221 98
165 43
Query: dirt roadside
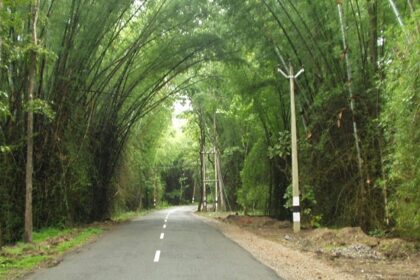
342 254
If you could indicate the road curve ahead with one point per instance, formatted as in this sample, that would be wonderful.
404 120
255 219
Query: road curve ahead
164 245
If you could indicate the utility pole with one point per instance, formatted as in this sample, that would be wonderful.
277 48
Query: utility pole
193 194
154 190
204 191
216 197
222 204
295 171
215 179
207 178
180 190
216 191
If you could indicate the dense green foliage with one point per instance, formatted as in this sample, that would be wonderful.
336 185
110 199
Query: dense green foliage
255 180
102 67
108 73
138 181
401 120
379 190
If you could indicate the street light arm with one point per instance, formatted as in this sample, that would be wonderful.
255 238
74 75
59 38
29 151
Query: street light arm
284 74
300 72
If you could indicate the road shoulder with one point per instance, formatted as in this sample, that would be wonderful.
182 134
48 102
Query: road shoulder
287 263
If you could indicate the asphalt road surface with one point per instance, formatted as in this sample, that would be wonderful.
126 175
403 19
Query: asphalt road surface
164 245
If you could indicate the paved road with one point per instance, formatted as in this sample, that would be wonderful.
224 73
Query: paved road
167 244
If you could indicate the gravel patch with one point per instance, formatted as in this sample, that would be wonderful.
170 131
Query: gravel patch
357 251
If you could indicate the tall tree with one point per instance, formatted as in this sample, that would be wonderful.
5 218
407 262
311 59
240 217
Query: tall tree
30 122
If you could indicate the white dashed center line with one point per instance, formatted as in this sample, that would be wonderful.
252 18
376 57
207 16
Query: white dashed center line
162 235
157 256
164 226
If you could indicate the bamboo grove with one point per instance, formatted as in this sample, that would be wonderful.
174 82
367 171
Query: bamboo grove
101 66
99 78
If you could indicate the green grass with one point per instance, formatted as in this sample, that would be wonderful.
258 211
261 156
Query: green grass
81 238
47 233
126 216
47 245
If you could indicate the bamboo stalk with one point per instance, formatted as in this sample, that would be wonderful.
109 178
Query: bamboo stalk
350 89
396 12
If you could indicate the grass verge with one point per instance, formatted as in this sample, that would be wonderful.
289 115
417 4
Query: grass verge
126 216
50 244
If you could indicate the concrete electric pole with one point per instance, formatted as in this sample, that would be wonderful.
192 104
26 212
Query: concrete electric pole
216 191
295 170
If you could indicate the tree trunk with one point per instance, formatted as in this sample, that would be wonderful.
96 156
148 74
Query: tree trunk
411 5
30 125
372 7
